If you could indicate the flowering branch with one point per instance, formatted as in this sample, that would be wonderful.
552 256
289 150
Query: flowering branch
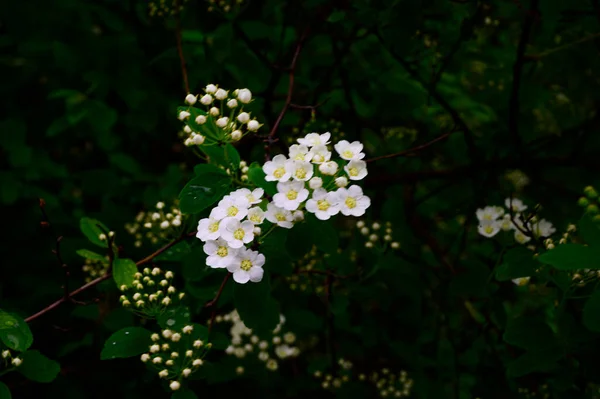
412 150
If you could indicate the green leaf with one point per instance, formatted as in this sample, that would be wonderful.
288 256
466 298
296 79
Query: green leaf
175 253
38 367
591 312
257 309
534 361
87 254
257 176
517 262
572 257
325 236
4 391
232 156
208 169
203 191
216 155
529 333
89 227
128 342
124 271
336 16
15 332
185 394
174 318
589 231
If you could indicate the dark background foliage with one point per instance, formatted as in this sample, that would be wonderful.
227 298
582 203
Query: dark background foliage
90 92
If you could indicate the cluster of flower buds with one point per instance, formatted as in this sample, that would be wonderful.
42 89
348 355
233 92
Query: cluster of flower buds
175 354
9 359
150 293
155 226
303 279
225 6
492 219
375 235
541 392
390 384
331 382
163 8
222 120
94 268
590 203
270 351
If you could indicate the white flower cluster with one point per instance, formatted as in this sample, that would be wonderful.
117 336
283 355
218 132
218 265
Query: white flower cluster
331 382
9 360
492 219
155 225
176 354
310 163
244 342
390 384
150 293
373 234
223 119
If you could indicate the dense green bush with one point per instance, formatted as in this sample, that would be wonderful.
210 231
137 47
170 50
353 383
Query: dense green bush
448 249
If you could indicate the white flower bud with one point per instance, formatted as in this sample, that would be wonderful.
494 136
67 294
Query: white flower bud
232 103
174 385
169 274
210 88
188 329
176 222
222 122
16 361
102 237
206 99
243 117
191 99
189 353
160 205
236 135
176 337
220 94
5 354
387 237
257 231
164 224
239 370
364 231
164 373
360 224
166 301
197 362
169 362
395 245
341 181
245 169
253 125
369 244
167 333
187 129
298 216
145 357
157 360
183 115
214 111
198 343
376 226
186 372
315 182
201 119
328 168
244 95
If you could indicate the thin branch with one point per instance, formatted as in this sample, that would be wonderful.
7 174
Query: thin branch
310 107
292 70
180 48
514 102
412 150
214 301
538 56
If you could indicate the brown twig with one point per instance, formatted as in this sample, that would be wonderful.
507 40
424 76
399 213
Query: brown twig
412 150
292 70
180 48
310 107
214 301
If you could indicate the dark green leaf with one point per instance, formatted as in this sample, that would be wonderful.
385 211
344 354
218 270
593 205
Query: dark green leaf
232 156
534 361
128 342
38 367
257 176
15 332
174 318
257 309
124 271
572 257
591 312
529 333
89 227
589 231
87 254
4 391
175 253
209 169
517 262
203 191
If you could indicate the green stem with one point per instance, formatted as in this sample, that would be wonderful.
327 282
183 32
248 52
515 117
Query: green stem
262 239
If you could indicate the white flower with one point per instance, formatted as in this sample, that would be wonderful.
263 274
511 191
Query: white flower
235 206
191 99
516 204
208 229
210 88
236 135
352 202
253 197
201 119
276 170
244 95
314 139
236 233
232 103
341 181
300 153
256 215
349 151
319 154
489 228
543 228
489 213
253 125
222 122
520 237
521 281
279 216
315 182
206 99
183 115
219 253
247 266
243 117
290 195
220 94
323 204
328 168
300 170
356 170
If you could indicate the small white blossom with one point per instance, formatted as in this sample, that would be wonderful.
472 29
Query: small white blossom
488 228
191 99
315 182
276 170
328 168
186 372
220 94
352 202
220 254
315 139
349 151
489 213
211 89
290 194
201 119
233 205
319 154
174 385
247 266
236 135
145 357
521 237
356 170
521 281
300 153
300 170
232 103
206 99
543 228
183 115
516 204
163 373
208 229
214 111
243 117
341 181
256 215
279 216
253 125
323 204
236 233
244 95
253 197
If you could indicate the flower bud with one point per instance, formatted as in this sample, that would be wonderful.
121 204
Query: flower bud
145 357
236 135
174 385
253 125
186 372
201 119
232 103
257 231
341 181
163 373
220 94
17 361
315 182
298 216
395 245
328 168
214 111
187 129
211 89
183 115
222 122
191 99
243 117
244 95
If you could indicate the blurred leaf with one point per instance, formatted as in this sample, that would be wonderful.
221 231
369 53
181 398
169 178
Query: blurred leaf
124 271
128 342
256 307
4 391
87 254
175 318
529 333
38 367
89 227
15 332
572 257
591 312
517 262
184 394
589 231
